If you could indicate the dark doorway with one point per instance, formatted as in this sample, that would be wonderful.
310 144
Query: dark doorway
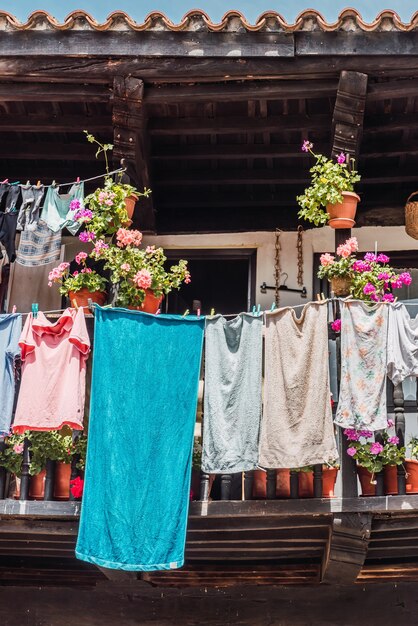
223 280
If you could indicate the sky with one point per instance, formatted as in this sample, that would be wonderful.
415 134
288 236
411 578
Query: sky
175 9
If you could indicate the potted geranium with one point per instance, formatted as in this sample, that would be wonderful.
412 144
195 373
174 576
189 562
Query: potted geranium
80 285
109 207
139 274
330 196
372 456
370 279
47 446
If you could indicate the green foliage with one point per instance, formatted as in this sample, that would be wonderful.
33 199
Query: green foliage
79 448
91 281
367 456
197 453
50 445
329 180
413 444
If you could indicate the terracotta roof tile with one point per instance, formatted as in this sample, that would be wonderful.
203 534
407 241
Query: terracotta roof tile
197 20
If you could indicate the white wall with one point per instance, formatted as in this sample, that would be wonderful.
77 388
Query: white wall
314 240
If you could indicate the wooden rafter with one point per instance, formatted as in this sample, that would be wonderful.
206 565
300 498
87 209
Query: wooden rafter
348 115
131 142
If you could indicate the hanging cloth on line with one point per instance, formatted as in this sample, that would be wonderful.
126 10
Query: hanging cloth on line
143 411
362 401
31 205
52 389
57 213
402 360
297 428
10 329
232 401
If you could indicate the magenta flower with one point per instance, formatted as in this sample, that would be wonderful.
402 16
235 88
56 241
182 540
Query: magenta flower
76 273
388 297
360 266
396 283
369 256
341 158
374 297
306 146
391 423
394 440
83 215
406 278
336 326
351 434
75 205
376 448
369 288
86 270
382 258
87 236
367 434
351 451
383 276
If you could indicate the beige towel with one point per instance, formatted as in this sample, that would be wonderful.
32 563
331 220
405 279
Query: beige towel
297 428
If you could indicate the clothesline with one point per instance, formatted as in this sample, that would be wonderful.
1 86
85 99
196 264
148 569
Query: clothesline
296 306
85 180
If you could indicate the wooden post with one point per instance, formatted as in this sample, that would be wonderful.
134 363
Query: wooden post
248 485
204 487
347 125
318 481
294 484
131 142
3 474
226 482
398 401
25 477
271 484
49 480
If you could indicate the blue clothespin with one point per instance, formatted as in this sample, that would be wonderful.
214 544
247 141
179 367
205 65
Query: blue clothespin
258 309
35 309
273 306
254 309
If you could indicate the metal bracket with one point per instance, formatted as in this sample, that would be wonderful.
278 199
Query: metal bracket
303 292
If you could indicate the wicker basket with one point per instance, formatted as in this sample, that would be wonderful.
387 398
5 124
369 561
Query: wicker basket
340 285
411 216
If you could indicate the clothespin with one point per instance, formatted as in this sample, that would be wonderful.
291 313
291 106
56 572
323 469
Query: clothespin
258 309
16 182
75 304
14 309
78 179
35 309
318 297
198 312
395 299
253 311
273 306
6 180
38 184
158 312
53 184
322 297
90 305
28 183
212 311
186 312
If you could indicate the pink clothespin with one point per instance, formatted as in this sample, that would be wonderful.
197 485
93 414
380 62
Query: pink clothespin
6 180
198 312
78 179
158 312
14 309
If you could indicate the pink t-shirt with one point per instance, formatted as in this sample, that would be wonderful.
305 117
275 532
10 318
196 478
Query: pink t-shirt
54 355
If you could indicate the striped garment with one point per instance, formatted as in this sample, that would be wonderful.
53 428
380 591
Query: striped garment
39 246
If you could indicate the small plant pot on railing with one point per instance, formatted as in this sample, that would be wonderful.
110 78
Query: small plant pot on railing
391 480
81 298
282 484
306 483
62 481
340 285
367 481
151 303
411 471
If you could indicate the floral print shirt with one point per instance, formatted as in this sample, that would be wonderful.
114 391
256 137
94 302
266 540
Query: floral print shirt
362 401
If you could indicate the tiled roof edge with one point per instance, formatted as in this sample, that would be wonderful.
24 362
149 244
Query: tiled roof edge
196 20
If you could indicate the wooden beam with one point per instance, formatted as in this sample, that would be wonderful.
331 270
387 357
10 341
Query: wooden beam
247 90
231 152
30 92
402 88
237 124
20 151
65 124
131 142
348 114
347 548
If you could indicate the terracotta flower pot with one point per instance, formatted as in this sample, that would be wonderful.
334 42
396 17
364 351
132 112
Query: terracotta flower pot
130 202
390 479
81 298
329 478
62 481
306 489
411 469
342 214
151 303
340 285
367 488
37 486
282 484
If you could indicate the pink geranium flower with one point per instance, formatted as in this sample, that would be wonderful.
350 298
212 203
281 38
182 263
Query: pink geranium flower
376 448
306 146
326 259
336 326
394 440
80 257
143 279
18 448
344 250
405 278
127 237
341 158
351 451
369 288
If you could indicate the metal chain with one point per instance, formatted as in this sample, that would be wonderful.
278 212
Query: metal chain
299 247
277 268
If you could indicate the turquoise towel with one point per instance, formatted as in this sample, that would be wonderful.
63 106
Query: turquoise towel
142 416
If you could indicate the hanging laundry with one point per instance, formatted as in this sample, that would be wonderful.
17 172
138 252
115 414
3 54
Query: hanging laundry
8 218
232 400
402 360
142 417
30 208
297 428
38 253
362 401
10 329
52 389
57 213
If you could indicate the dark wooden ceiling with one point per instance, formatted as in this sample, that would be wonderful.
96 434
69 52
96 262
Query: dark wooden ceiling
223 156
